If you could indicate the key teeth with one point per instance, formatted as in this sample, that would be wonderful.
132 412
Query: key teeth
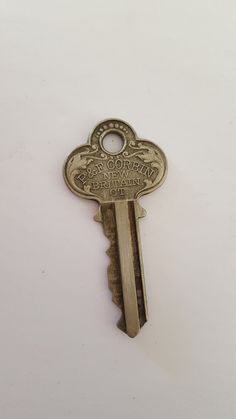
113 279
109 251
141 212
98 216
111 273
114 283
105 215
121 323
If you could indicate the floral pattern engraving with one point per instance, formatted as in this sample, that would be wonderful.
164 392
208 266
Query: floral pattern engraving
81 161
145 153
139 156
148 154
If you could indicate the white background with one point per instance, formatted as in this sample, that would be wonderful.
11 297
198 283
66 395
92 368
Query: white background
168 68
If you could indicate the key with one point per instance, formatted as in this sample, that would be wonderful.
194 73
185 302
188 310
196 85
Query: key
116 180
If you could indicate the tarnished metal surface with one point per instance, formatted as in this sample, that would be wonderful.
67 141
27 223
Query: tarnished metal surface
116 181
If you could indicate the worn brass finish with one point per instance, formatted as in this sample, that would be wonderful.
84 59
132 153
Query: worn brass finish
116 181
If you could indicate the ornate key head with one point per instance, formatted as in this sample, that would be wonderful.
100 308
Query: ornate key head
138 168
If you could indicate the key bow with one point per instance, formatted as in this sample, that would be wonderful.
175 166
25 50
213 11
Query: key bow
94 173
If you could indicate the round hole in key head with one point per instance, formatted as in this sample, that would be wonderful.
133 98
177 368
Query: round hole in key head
113 142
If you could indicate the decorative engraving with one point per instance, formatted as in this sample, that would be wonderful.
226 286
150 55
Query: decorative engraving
92 172
80 161
151 155
110 126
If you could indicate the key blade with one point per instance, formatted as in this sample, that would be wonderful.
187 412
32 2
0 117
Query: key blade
106 216
126 253
125 273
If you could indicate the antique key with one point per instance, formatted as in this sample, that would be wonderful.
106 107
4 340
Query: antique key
116 181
